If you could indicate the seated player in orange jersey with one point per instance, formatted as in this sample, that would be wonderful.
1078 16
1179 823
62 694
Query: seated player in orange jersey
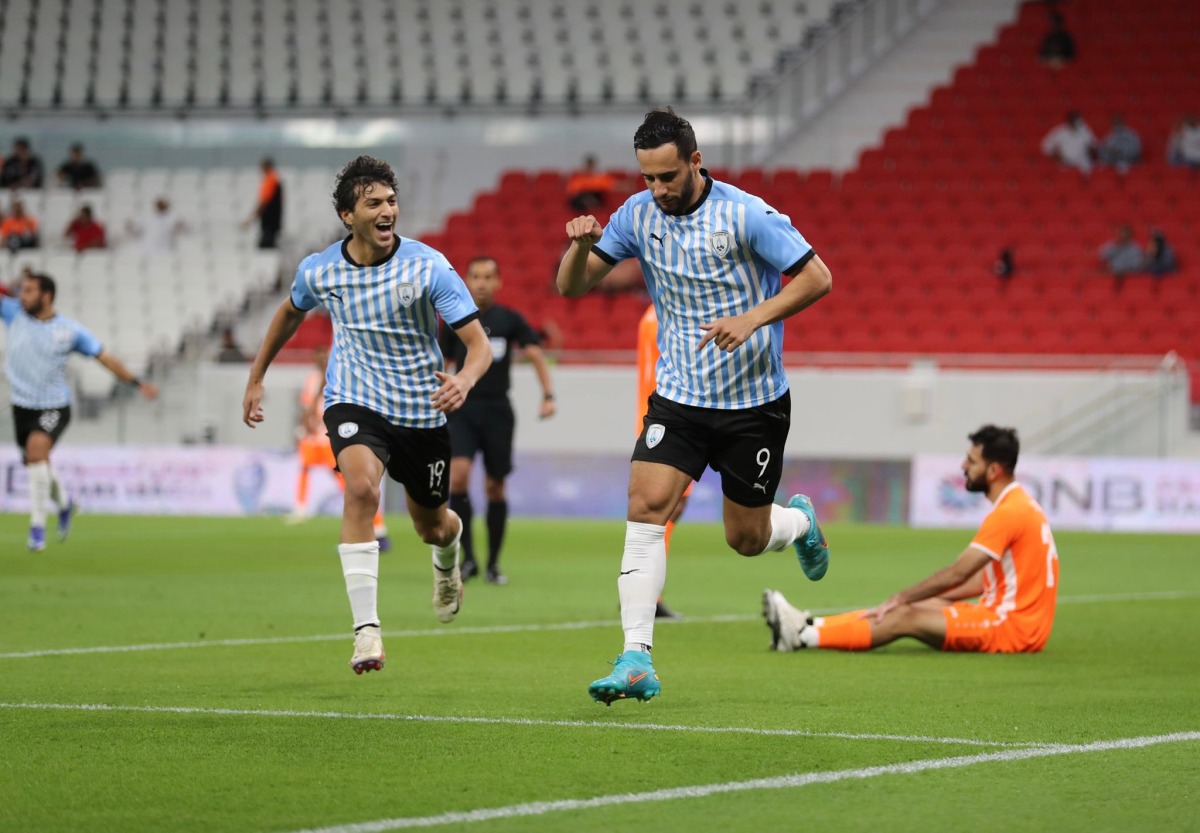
313 446
647 360
1011 566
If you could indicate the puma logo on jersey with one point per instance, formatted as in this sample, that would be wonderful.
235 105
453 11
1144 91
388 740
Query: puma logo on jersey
655 237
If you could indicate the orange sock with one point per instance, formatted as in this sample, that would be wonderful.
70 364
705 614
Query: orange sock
845 632
302 488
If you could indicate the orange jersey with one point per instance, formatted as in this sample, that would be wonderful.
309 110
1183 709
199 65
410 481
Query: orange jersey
1020 583
647 360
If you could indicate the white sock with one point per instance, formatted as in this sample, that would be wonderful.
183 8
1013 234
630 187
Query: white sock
444 558
57 493
787 525
810 637
360 566
39 492
643 574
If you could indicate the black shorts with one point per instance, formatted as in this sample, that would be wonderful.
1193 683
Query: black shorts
418 458
744 446
52 421
485 425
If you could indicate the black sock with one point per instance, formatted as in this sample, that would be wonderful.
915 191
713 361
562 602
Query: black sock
461 504
497 521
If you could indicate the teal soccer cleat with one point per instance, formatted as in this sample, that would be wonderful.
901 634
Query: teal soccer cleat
812 549
633 678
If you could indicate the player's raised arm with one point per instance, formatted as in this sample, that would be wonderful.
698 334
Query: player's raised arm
581 268
148 390
283 326
454 389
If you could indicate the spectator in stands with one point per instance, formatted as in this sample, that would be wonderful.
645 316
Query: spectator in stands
269 210
1123 255
590 187
77 171
1122 147
1004 265
22 169
85 232
160 228
1183 148
1058 47
1072 143
1160 257
230 352
19 229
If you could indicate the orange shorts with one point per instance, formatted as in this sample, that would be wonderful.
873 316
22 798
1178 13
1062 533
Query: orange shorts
973 627
316 451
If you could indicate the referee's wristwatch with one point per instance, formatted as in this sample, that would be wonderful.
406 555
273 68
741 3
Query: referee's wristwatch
547 397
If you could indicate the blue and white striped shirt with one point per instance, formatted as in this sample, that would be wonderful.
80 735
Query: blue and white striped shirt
36 363
385 348
724 257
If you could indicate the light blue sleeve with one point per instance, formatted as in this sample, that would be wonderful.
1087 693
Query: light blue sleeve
86 343
772 236
302 294
450 295
9 309
618 243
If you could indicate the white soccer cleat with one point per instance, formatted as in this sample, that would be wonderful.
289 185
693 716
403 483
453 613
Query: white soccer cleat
447 593
785 621
368 650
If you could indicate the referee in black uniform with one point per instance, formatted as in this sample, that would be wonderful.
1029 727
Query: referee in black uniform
485 424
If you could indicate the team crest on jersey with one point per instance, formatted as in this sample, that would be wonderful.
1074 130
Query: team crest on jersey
654 435
347 430
406 293
720 242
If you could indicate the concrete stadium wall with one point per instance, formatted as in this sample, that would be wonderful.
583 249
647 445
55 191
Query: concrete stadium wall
867 414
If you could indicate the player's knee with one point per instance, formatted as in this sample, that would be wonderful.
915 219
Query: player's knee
745 542
361 490
649 509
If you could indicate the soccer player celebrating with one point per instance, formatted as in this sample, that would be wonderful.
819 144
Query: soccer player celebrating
386 396
39 342
486 423
1011 565
713 258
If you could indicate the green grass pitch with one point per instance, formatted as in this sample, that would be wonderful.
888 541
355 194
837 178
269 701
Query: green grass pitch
191 675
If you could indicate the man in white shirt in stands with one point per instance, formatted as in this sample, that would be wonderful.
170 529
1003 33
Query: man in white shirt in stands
1072 143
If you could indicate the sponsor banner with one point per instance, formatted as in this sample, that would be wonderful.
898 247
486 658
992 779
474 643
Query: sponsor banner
1123 494
231 481
175 480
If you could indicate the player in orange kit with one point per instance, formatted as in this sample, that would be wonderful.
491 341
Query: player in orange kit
314 449
1011 565
647 360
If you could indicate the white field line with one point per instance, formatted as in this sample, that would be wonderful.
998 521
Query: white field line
516 721
531 628
803 779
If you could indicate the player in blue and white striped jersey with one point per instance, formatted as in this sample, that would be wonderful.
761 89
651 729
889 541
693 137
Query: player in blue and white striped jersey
39 343
386 394
714 258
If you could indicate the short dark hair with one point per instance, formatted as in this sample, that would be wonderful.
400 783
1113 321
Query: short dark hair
484 259
661 127
45 283
355 177
998 445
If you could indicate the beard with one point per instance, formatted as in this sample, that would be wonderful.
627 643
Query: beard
977 485
686 197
